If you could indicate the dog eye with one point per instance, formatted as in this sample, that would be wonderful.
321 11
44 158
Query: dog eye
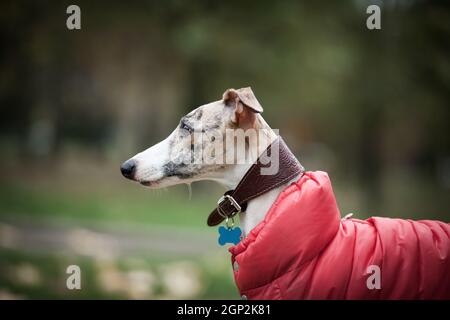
185 126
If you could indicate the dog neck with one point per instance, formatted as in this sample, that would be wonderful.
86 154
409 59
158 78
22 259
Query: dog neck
257 208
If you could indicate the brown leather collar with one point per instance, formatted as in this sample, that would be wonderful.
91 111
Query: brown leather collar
254 184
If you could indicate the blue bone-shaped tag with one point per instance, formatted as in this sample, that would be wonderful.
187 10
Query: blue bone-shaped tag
229 235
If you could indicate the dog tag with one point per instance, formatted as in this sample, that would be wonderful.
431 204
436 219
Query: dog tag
229 235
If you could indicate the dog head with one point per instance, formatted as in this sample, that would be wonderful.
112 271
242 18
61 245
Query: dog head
203 145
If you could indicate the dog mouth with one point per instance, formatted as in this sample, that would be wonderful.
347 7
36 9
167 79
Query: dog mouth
161 182
150 180
146 183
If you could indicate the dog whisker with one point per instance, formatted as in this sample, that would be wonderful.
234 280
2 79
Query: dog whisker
190 190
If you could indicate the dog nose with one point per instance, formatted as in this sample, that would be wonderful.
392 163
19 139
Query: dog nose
127 168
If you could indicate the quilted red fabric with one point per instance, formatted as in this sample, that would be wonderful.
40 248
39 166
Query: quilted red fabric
302 250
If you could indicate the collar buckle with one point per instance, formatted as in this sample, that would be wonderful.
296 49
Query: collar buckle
222 201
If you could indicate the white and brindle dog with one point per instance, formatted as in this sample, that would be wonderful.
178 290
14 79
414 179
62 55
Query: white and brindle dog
309 253
170 162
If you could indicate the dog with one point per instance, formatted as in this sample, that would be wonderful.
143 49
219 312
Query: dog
168 162
294 243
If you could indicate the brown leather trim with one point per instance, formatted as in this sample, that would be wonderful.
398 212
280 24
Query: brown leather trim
253 184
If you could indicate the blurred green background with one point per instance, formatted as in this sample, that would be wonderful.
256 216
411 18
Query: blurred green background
369 107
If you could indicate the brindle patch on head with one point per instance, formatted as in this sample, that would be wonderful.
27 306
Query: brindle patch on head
186 151
199 114
172 169
214 122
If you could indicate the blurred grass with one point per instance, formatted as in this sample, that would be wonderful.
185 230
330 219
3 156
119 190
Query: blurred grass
215 276
51 281
103 198
174 208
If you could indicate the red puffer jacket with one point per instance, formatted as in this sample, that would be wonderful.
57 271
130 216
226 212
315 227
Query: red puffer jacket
302 250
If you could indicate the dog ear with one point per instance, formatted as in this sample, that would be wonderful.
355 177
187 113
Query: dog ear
245 105
245 96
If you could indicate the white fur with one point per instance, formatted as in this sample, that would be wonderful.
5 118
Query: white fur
150 162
